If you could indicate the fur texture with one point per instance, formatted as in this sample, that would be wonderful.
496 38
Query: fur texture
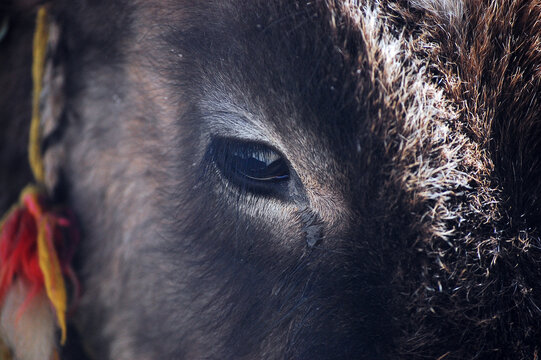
412 132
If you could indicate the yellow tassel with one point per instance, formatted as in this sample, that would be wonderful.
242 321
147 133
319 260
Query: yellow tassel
49 263
52 274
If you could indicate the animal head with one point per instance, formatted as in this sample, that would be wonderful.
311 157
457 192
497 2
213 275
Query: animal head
300 179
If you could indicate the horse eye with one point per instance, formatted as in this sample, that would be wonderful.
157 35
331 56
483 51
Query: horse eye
251 166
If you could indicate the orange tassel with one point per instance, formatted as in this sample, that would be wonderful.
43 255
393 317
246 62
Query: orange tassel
34 246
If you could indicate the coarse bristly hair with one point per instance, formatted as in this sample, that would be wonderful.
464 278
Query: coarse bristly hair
411 129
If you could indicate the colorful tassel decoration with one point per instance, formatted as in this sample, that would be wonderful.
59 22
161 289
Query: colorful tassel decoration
37 245
37 240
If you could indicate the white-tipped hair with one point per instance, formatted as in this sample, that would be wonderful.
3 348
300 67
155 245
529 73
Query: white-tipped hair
449 10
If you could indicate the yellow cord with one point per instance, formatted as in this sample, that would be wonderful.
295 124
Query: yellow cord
48 260
41 36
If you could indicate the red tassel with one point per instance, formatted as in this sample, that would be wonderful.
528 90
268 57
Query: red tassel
20 254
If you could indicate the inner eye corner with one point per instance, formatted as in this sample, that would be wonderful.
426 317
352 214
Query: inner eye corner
252 166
